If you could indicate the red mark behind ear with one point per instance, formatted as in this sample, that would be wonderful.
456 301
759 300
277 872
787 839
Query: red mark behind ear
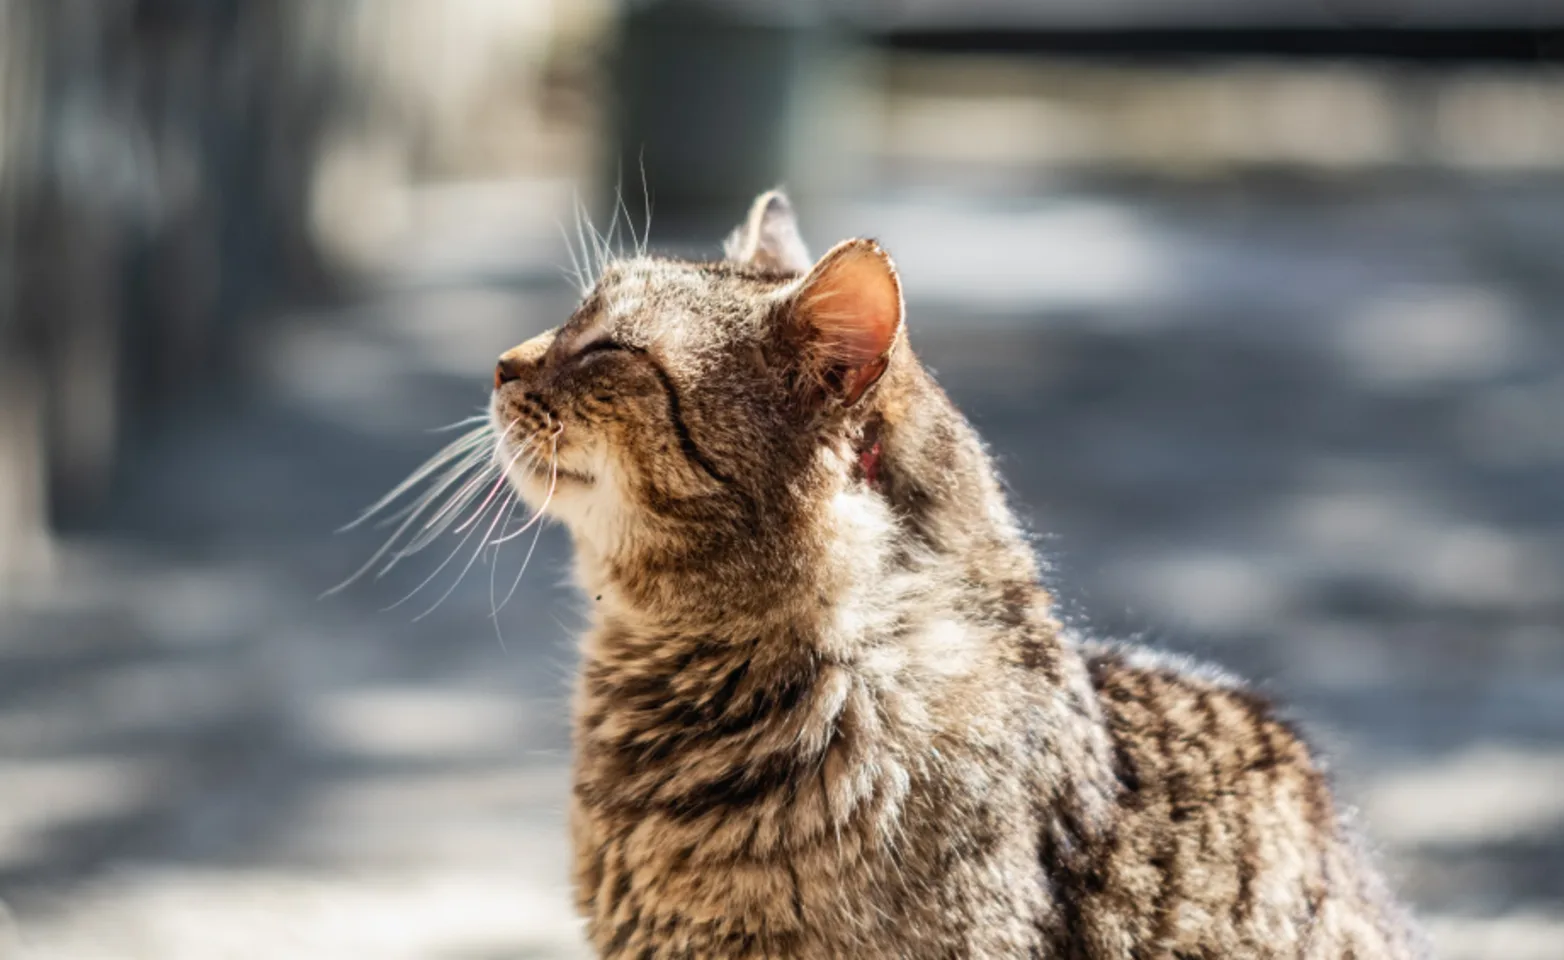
869 461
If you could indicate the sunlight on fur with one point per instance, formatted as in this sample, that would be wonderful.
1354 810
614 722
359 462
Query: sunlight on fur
824 707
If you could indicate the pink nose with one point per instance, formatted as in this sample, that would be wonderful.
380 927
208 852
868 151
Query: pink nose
505 371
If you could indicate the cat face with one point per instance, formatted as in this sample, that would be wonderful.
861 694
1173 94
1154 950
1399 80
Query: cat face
686 392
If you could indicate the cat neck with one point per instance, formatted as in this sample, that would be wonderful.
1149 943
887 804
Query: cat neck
923 533
855 576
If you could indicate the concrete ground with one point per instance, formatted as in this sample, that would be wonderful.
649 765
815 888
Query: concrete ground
1311 432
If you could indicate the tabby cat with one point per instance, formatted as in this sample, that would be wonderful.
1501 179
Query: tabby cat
824 708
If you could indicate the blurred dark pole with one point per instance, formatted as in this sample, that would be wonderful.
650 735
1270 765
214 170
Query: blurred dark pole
705 94
21 496
156 190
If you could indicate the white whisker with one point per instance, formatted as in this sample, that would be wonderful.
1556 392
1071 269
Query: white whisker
526 560
602 248
593 238
609 250
499 483
459 490
462 497
498 513
428 501
452 451
420 539
621 206
494 566
471 489
444 563
471 525
531 547
586 250
436 527
554 479
577 272
471 461
646 196
464 422
413 513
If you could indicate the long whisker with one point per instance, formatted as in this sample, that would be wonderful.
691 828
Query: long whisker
594 238
463 422
553 482
453 451
464 496
646 196
600 243
424 503
526 560
450 513
494 608
531 547
455 504
553 476
463 465
499 483
472 523
498 513
459 488
435 572
536 516
532 460
613 222
494 566
620 206
472 488
398 552
576 271
586 251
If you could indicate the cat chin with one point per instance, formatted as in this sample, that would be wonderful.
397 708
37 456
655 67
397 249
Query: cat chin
587 505
546 490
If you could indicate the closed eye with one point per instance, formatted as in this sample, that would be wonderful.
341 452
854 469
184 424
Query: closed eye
603 345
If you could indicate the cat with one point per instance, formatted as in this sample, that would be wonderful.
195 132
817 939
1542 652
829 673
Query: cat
825 710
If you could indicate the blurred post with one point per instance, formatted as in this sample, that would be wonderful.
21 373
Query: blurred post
716 100
22 536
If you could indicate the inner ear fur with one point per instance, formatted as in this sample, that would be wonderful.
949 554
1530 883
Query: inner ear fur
848 314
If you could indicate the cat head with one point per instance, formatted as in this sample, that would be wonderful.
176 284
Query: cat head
696 407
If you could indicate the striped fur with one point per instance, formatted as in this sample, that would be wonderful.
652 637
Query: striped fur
824 710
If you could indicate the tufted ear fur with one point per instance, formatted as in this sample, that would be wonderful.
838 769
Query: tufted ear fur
848 314
768 238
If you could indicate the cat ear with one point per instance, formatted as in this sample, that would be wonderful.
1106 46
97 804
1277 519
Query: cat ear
768 238
848 313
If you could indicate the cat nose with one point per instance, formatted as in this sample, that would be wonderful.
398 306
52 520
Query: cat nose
508 369
521 359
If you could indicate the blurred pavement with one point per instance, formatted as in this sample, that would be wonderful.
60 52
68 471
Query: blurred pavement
1310 431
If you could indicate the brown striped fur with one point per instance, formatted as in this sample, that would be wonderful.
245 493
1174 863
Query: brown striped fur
824 709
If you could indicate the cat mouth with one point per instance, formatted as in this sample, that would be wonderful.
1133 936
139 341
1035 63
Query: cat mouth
542 469
546 474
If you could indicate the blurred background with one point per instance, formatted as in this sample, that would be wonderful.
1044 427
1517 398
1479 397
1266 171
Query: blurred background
1258 303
